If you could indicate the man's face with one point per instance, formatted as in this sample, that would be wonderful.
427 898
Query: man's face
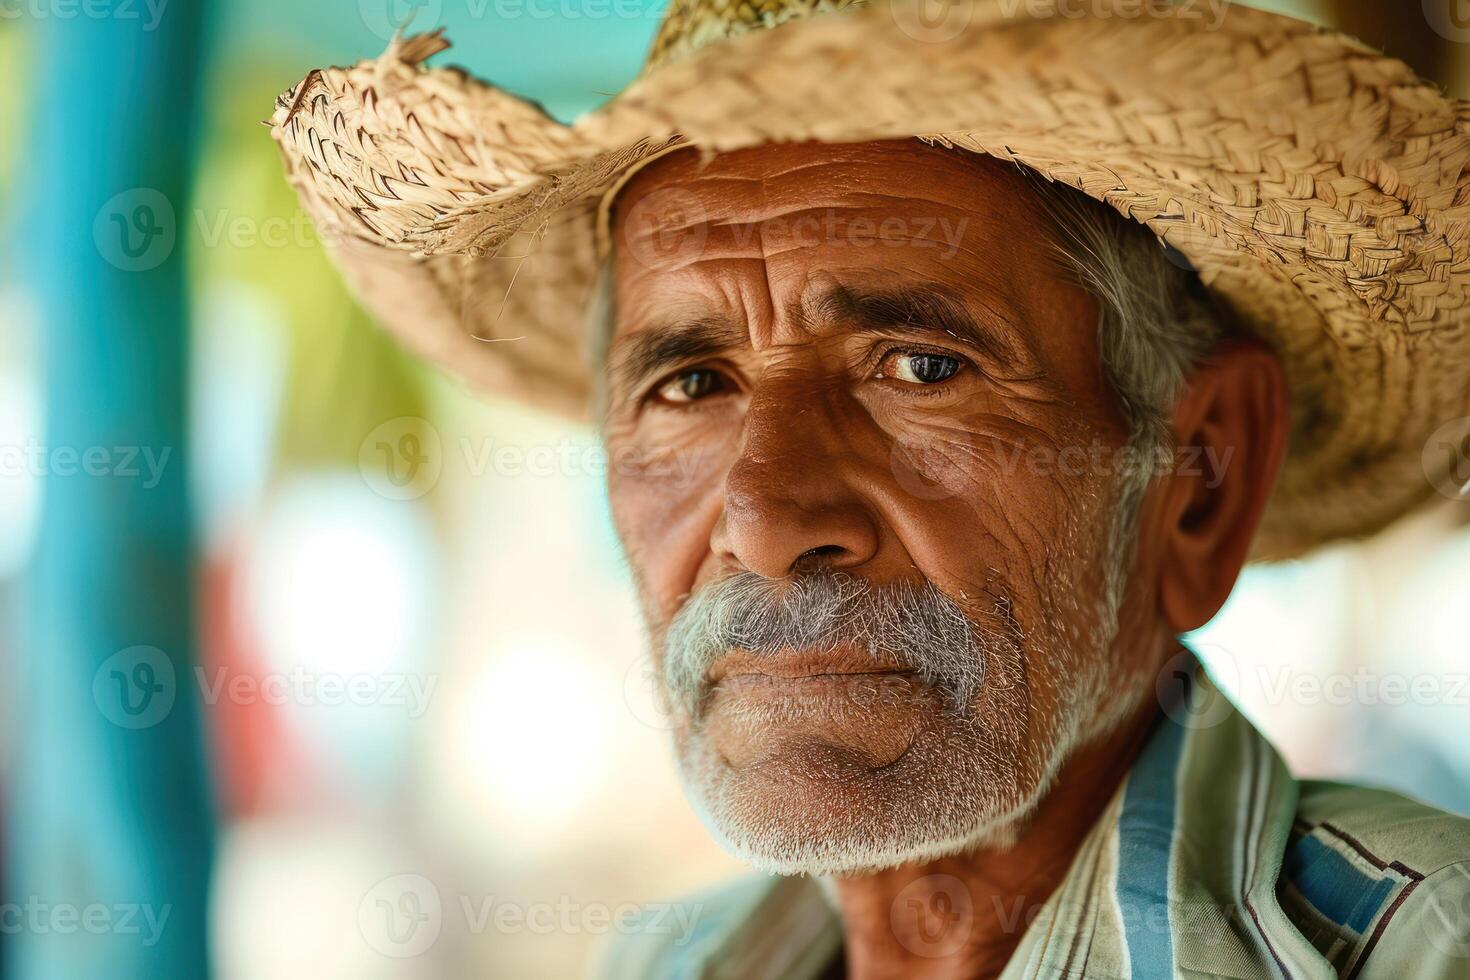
870 518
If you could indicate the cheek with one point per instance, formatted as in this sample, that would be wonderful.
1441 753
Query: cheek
664 506
997 477
1011 505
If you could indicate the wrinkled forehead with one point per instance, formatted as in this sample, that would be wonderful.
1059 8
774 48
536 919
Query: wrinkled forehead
766 181
790 225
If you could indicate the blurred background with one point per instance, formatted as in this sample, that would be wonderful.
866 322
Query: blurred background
264 685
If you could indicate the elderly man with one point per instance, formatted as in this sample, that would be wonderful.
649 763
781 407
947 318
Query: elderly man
963 450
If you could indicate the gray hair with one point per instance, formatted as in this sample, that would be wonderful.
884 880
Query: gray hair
1157 320
1156 324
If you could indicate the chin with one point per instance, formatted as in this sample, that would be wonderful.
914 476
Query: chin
790 795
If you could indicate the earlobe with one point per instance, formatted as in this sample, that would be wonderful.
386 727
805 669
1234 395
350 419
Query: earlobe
1230 429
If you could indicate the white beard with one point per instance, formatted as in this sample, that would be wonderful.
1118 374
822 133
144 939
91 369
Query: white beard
968 780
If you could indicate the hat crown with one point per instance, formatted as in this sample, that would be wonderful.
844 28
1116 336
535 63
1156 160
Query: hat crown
689 25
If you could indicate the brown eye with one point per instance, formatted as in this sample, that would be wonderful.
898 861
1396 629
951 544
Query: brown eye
691 386
921 368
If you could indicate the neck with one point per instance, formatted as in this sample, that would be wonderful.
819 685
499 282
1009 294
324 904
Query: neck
964 915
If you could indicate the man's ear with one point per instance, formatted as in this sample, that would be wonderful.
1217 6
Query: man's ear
1230 431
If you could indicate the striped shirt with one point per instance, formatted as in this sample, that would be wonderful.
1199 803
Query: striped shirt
1211 860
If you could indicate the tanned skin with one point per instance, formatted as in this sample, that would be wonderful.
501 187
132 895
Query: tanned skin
793 426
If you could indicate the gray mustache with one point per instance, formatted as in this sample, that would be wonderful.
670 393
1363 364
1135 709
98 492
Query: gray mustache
917 626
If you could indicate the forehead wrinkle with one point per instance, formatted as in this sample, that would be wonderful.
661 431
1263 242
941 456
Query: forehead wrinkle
762 197
725 210
775 168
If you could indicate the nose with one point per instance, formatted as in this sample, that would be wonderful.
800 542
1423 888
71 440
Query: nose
790 503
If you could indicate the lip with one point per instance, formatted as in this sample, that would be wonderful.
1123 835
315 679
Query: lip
800 665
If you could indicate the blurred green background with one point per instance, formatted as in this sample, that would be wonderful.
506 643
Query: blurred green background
502 746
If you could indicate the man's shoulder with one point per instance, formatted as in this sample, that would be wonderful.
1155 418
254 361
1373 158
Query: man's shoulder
798 930
1379 882
1384 826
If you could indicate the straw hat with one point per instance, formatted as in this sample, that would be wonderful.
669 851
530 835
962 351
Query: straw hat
1317 185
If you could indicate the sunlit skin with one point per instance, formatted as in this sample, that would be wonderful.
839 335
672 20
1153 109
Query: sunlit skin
824 425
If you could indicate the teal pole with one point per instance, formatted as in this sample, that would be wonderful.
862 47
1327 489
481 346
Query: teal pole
109 822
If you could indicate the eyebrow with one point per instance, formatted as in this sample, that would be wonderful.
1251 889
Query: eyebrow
917 310
655 350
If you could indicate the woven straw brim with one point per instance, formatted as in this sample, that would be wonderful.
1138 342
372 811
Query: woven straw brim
1319 187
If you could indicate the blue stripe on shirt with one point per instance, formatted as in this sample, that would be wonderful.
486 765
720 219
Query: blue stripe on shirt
1145 839
1334 886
